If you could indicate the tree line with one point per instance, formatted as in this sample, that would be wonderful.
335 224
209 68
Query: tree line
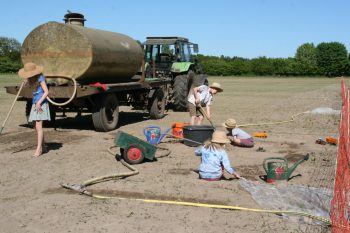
326 59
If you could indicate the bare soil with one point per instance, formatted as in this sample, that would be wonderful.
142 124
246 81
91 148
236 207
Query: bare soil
32 199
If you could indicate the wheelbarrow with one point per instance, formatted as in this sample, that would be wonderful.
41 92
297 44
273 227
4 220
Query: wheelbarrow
134 150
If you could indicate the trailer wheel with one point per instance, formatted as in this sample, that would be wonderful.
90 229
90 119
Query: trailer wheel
105 113
180 93
157 105
134 154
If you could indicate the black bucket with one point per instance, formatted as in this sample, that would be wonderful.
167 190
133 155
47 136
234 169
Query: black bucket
197 133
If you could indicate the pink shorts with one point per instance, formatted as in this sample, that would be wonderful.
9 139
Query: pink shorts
248 142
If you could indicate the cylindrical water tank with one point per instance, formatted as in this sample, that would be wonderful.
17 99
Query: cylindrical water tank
85 54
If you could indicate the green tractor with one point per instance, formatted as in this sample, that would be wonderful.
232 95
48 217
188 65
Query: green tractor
174 57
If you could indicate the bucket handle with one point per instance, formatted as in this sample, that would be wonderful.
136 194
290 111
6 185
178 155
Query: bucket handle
273 158
148 128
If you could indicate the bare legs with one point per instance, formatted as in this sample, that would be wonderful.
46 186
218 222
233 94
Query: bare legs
234 140
40 138
196 120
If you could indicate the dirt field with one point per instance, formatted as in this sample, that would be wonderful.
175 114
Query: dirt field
33 201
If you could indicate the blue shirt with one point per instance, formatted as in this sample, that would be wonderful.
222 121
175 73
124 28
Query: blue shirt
212 160
39 92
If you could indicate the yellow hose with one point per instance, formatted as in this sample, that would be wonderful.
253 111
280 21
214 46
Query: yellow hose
193 204
228 207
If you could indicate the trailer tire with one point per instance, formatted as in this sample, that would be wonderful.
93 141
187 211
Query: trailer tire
134 154
157 105
105 113
180 93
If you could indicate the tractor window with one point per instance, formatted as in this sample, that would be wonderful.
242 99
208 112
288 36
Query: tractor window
183 52
168 49
155 52
187 52
148 54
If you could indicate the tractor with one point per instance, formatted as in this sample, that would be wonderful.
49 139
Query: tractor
174 57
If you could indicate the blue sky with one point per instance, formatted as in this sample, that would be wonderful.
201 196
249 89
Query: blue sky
244 28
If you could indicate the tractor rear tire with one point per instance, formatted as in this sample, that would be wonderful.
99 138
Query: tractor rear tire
180 93
105 113
157 105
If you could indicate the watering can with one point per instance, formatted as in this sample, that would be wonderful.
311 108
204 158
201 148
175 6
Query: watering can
277 168
154 135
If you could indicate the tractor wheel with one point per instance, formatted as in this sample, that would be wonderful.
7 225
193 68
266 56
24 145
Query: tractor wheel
105 113
201 79
157 105
134 154
180 93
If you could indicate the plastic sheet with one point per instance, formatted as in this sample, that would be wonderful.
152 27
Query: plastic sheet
282 196
325 111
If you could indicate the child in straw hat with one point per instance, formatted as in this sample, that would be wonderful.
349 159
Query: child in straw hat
201 96
40 111
237 136
214 158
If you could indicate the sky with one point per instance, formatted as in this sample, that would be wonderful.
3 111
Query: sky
243 28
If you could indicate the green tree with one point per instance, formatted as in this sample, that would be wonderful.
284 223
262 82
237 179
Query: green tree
10 55
10 48
332 59
306 59
262 66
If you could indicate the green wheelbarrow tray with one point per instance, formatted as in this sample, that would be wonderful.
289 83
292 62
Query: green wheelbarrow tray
133 149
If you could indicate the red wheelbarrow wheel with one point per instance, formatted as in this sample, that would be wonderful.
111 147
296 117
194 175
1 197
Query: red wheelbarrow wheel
134 154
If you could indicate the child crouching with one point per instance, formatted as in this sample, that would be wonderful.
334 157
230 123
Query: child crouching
214 158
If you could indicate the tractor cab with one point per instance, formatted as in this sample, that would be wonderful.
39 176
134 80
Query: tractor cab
169 56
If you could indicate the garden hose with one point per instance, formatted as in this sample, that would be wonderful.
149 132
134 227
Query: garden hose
70 99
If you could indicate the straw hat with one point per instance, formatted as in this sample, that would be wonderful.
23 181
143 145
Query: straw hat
216 86
29 70
219 137
230 123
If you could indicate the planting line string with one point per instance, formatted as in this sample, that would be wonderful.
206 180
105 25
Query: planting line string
276 122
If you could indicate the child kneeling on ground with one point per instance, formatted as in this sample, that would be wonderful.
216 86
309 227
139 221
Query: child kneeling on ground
237 136
214 158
